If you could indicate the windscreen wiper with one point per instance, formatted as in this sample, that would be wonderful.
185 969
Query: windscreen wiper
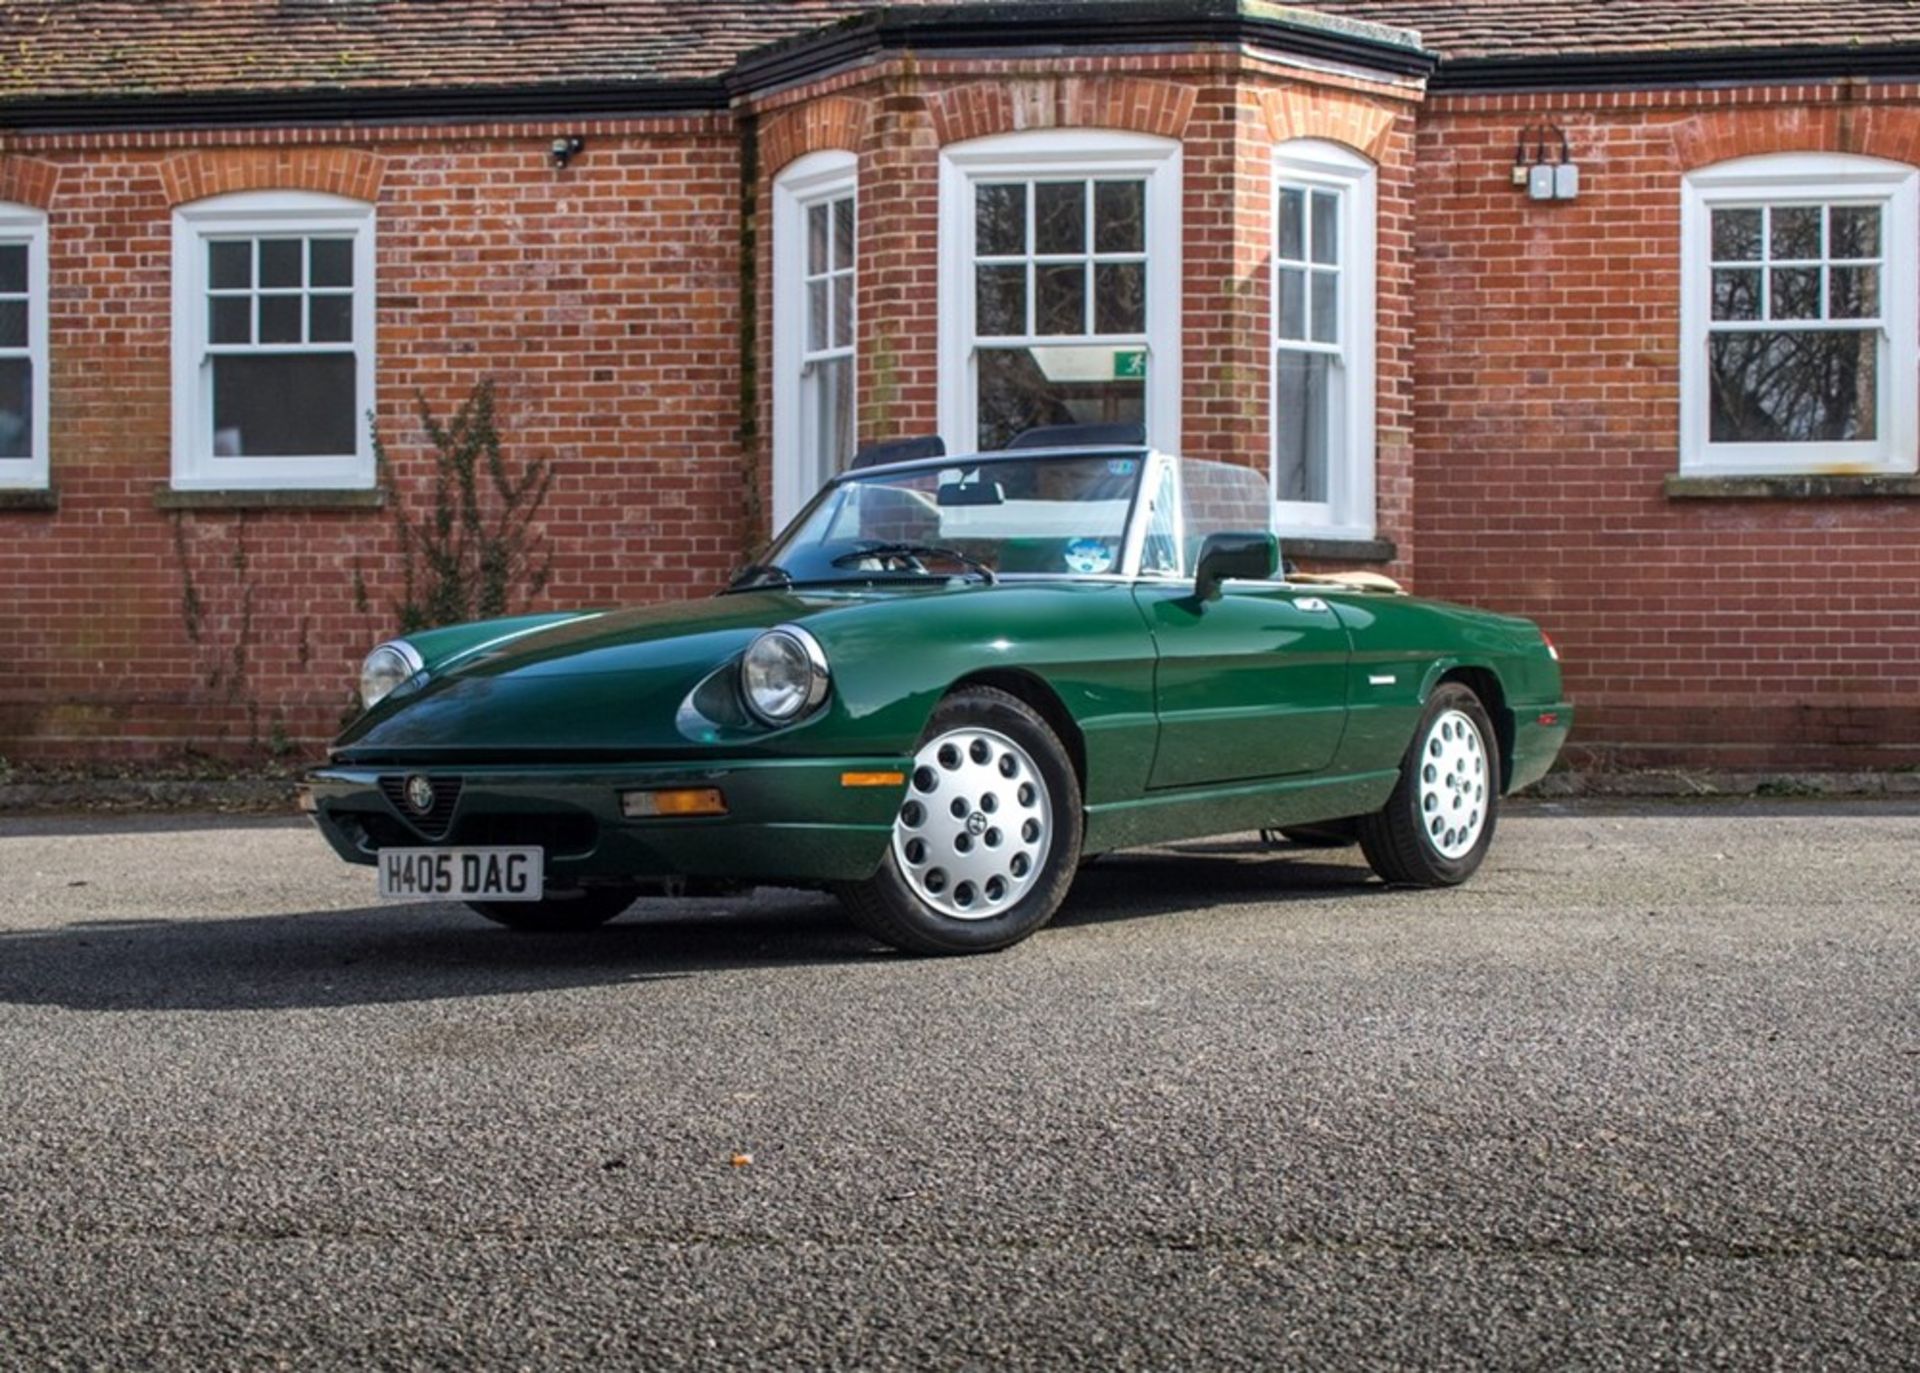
917 551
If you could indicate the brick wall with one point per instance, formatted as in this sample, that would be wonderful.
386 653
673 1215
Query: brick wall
1744 633
603 298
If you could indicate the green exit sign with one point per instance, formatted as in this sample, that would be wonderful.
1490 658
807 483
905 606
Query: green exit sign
1129 363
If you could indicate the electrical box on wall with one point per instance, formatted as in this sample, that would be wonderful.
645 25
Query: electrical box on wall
1536 166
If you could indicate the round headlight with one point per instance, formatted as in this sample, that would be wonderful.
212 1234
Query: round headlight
783 675
386 668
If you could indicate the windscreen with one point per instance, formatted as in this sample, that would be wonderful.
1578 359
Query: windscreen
1054 515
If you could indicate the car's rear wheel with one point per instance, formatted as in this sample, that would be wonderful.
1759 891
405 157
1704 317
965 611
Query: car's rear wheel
1435 829
562 912
987 839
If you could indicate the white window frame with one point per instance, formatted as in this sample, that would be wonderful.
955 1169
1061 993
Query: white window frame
1348 512
24 224
264 213
1799 179
1063 154
828 175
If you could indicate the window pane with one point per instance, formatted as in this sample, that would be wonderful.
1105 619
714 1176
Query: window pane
1016 393
280 261
1736 235
275 407
830 407
1000 300
1853 292
1794 387
1796 293
330 319
1060 217
1856 231
1326 307
1120 297
13 268
1736 293
331 263
1326 227
1120 217
280 319
843 311
816 239
1060 298
16 408
13 324
1305 382
816 316
230 319
1293 303
843 233
1796 231
230 265
1292 243
1000 219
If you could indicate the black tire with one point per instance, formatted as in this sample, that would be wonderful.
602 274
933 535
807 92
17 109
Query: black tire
889 906
1397 839
562 913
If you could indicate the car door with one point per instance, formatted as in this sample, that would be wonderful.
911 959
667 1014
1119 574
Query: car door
1248 686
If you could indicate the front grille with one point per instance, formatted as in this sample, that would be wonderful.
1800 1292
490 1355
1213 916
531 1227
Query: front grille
434 824
560 834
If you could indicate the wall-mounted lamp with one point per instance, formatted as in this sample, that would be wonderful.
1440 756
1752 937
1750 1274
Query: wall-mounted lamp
563 150
1534 166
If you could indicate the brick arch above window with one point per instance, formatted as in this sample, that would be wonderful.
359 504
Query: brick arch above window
1722 135
1298 112
345 172
28 181
1128 104
834 123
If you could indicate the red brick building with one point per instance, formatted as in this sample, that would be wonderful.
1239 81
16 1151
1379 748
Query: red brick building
1605 313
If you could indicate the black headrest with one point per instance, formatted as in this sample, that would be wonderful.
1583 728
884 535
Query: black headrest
898 450
1130 434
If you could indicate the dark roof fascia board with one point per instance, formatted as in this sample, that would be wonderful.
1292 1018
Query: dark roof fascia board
376 105
1064 29
1668 70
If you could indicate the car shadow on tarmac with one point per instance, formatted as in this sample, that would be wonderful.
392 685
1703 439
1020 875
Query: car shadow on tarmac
393 954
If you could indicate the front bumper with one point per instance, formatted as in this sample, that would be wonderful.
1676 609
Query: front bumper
787 821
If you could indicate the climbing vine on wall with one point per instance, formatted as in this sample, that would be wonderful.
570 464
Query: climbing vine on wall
477 546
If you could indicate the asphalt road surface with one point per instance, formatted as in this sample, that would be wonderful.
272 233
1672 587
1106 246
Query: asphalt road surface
1645 1094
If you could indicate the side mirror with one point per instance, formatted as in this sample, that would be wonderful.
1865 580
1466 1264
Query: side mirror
1250 557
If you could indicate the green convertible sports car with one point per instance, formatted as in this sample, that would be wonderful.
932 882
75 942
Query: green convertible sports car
947 683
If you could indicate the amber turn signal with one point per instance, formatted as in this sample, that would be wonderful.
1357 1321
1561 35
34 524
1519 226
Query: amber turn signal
679 801
872 779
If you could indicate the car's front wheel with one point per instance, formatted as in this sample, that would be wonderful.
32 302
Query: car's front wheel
1435 829
987 838
584 908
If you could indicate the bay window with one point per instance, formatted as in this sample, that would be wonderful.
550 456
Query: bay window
815 221
1323 341
1060 286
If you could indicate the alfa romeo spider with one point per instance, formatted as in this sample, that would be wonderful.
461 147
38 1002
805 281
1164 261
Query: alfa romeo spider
943 688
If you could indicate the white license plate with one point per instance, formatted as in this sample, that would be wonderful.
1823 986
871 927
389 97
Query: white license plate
491 874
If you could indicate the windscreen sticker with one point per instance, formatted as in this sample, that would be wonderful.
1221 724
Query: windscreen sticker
1121 467
1089 556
